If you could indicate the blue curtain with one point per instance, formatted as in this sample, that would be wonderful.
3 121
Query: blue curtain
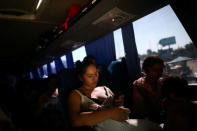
27 75
35 73
102 49
69 59
132 59
58 64
41 71
49 70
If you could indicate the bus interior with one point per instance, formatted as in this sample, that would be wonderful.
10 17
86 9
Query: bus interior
44 37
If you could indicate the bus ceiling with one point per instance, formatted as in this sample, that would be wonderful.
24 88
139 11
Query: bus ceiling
33 33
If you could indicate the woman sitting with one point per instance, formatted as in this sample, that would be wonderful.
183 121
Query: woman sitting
95 107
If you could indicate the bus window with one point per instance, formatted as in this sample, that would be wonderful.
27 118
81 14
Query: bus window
53 69
119 47
64 61
162 33
79 54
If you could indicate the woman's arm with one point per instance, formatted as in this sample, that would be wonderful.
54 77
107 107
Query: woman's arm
118 98
92 118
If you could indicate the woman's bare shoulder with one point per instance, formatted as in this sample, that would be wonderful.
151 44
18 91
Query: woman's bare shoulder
73 94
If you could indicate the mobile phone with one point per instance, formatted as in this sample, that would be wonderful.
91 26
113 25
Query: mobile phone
118 94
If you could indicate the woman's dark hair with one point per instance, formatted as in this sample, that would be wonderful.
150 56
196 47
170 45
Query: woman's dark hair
150 61
90 58
175 85
82 66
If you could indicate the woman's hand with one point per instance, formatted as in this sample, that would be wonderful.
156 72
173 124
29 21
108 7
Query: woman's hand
94 107
119 100
120 113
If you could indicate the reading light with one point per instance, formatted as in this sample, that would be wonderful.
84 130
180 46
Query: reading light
38 5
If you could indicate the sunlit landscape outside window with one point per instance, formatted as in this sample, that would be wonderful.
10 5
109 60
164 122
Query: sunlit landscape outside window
162 33
31 75
39 72
45 71
119 46
64 62
53 69
79 54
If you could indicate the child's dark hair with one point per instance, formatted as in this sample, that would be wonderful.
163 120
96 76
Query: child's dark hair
150 61
175 85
